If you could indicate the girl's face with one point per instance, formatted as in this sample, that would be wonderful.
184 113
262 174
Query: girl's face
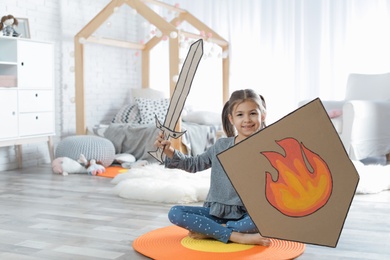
246 118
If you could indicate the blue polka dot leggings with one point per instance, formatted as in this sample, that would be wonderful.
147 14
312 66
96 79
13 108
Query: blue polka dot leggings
198 219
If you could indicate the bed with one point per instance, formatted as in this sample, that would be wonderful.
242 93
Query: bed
136 137
139 140
133 129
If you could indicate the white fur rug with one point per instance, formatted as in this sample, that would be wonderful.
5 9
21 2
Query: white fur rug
155 183
373 178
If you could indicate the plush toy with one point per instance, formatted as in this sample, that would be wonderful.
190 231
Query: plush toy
94 168
8 24
65 166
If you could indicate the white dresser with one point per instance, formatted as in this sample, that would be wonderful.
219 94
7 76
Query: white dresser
26 93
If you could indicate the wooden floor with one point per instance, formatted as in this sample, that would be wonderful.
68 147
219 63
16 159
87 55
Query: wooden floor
47 216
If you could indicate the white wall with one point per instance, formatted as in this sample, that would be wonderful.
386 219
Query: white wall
109 72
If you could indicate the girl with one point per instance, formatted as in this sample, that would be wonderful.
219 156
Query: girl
223 216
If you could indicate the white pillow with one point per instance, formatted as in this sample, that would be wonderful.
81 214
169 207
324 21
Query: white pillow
149 108
203 118
147 93
124 158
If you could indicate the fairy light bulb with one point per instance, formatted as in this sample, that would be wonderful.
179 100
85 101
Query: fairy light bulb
158 34
225 54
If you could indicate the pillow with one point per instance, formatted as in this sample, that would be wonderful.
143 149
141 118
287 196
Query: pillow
203 118
335 113
147 93
149 108
128 114
124 158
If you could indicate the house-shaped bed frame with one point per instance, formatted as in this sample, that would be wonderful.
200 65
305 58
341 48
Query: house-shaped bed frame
166 27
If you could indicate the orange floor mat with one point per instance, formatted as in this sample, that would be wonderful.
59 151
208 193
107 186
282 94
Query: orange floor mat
172 243
113 171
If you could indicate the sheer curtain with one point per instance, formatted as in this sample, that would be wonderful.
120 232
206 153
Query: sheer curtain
289 50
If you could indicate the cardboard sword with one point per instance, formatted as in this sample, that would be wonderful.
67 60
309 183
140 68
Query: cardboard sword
179 96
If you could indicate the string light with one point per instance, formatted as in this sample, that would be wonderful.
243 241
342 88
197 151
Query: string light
158 34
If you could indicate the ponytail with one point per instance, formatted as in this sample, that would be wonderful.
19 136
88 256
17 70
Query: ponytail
263 111
227 126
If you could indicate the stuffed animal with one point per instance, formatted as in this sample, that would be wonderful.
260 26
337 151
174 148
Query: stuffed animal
8 24
66 165
94 168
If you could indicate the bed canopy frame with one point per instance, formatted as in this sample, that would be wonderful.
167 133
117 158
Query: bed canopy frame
166 28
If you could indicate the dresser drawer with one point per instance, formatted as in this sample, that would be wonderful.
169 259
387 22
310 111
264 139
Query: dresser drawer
36 101
8 113
36 123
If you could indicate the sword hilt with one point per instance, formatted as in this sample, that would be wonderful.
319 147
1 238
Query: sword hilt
159 153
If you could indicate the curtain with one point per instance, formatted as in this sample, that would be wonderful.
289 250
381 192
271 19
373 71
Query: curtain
291 50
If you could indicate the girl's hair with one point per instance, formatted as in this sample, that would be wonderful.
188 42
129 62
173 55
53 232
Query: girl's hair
238 97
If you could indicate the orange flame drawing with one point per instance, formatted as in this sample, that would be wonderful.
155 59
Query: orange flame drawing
298 191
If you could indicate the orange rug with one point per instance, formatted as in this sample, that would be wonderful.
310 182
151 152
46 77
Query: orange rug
113 171
172 243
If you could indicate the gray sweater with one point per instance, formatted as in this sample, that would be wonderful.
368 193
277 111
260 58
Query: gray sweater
222 198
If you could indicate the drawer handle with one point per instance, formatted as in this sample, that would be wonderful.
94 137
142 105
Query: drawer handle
22 63
36 117
36 94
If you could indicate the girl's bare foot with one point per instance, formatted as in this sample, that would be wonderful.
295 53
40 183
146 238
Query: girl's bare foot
249 239
195 235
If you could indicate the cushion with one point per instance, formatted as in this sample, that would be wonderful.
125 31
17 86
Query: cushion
203 118
149 108
335 116
335 113
128 114
147 93
125 158
92 147
338 124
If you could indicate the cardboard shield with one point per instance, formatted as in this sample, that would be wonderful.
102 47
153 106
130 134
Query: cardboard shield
295 177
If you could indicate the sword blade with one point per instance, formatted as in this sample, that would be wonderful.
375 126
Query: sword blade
179 97
183 84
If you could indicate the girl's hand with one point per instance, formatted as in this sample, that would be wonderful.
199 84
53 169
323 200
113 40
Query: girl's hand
160 141
164 144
